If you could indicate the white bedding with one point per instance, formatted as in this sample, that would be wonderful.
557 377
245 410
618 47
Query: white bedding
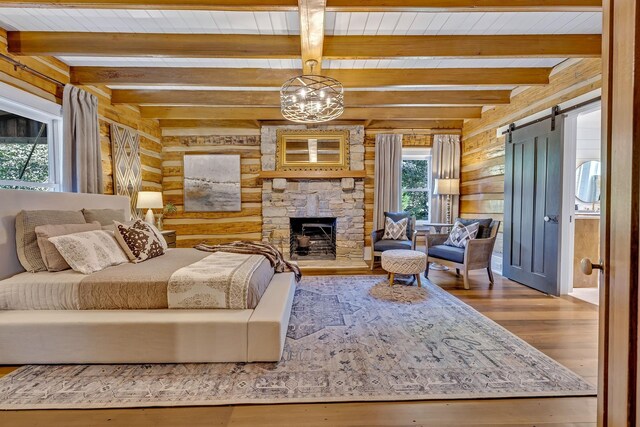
41 291
136 286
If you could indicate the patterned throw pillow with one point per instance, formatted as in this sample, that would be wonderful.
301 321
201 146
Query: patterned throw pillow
138 240
395 230
461 234
89 251
50 255
26 239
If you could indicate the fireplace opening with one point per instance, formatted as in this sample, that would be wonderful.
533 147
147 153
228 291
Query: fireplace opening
312 238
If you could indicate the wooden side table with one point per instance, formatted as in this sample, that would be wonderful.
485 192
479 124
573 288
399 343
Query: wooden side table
170 237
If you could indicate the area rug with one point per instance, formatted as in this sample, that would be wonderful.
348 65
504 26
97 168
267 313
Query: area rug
343 344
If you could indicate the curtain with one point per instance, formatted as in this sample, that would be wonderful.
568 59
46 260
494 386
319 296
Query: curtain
81 157
445 163
388 173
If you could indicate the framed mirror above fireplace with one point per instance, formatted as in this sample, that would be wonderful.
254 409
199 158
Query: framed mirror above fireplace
308 149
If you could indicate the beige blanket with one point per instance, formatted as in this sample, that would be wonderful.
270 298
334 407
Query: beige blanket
220 280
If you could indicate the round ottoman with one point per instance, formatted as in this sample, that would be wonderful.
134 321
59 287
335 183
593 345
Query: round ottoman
403 261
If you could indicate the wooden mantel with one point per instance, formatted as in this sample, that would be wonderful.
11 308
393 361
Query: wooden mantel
312 174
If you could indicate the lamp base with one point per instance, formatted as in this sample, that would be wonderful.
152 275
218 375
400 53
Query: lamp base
149 218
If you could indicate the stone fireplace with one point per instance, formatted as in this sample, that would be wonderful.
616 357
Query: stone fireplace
312 238
341 198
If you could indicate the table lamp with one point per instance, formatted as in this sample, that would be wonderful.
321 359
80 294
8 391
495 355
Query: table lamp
447 187
149 200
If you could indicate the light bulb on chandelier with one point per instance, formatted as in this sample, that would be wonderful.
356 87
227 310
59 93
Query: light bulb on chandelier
311 98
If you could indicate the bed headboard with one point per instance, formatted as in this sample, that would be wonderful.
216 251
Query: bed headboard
13 201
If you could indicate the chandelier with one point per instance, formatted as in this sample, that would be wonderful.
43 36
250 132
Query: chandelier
311 98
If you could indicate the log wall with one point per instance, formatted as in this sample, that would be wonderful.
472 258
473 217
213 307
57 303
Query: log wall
213 227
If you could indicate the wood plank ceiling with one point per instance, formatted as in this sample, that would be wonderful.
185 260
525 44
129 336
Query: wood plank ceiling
404 63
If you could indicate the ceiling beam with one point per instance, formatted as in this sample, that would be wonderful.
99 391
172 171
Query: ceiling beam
463 5
270 113
332 5
495 46
188 123
272 98
287 47
311 34
152 45
256 77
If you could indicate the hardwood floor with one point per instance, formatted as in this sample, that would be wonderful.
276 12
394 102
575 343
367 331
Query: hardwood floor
564 328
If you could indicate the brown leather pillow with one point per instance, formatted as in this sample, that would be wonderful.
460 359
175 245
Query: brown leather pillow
50 255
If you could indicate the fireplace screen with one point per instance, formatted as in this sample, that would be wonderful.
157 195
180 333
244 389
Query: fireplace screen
313 238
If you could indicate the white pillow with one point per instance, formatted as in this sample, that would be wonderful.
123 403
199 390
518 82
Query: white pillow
89 251
461 234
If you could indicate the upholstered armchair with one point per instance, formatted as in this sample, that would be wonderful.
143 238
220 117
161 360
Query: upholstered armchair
475 256
378 245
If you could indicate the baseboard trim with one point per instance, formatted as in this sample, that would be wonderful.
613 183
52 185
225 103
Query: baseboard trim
496 263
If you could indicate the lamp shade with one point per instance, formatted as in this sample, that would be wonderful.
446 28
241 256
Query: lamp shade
448 186
149 200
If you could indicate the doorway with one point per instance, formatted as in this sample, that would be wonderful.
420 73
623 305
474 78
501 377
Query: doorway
581 201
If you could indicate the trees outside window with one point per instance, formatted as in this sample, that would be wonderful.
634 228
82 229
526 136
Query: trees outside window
415 187
24 153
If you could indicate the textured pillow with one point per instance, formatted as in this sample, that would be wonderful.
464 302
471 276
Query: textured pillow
138 240
104 216
395 230
50 255
461 234
397 216
89 251
484 226
26 240
112 229
158 233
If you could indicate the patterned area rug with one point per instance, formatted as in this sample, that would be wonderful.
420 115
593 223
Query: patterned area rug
343 345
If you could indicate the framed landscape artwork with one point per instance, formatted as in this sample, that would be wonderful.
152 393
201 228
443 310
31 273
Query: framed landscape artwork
212 183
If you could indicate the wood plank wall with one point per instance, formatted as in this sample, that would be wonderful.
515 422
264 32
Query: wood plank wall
482 167
408 140
128 116
213 227
218 227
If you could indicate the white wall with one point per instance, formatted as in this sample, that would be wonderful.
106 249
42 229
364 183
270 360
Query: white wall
588 141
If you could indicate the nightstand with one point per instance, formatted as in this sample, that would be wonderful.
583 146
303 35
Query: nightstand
170 237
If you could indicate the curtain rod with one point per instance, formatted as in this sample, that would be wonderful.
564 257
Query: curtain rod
17 64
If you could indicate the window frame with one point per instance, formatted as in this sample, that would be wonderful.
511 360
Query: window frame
418 153
30 106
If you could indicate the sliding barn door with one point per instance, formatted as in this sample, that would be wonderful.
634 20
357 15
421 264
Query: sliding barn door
533 197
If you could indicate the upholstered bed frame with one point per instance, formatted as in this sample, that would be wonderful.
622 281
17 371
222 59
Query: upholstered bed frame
132 336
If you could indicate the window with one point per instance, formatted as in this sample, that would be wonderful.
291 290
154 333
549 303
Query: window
28 145
416 173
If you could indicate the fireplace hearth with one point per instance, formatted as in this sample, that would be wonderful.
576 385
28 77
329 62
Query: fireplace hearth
312 238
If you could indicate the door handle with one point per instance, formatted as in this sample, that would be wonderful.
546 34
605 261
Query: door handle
587 266
552 218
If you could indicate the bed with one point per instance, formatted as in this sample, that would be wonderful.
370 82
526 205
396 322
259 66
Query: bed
63 317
